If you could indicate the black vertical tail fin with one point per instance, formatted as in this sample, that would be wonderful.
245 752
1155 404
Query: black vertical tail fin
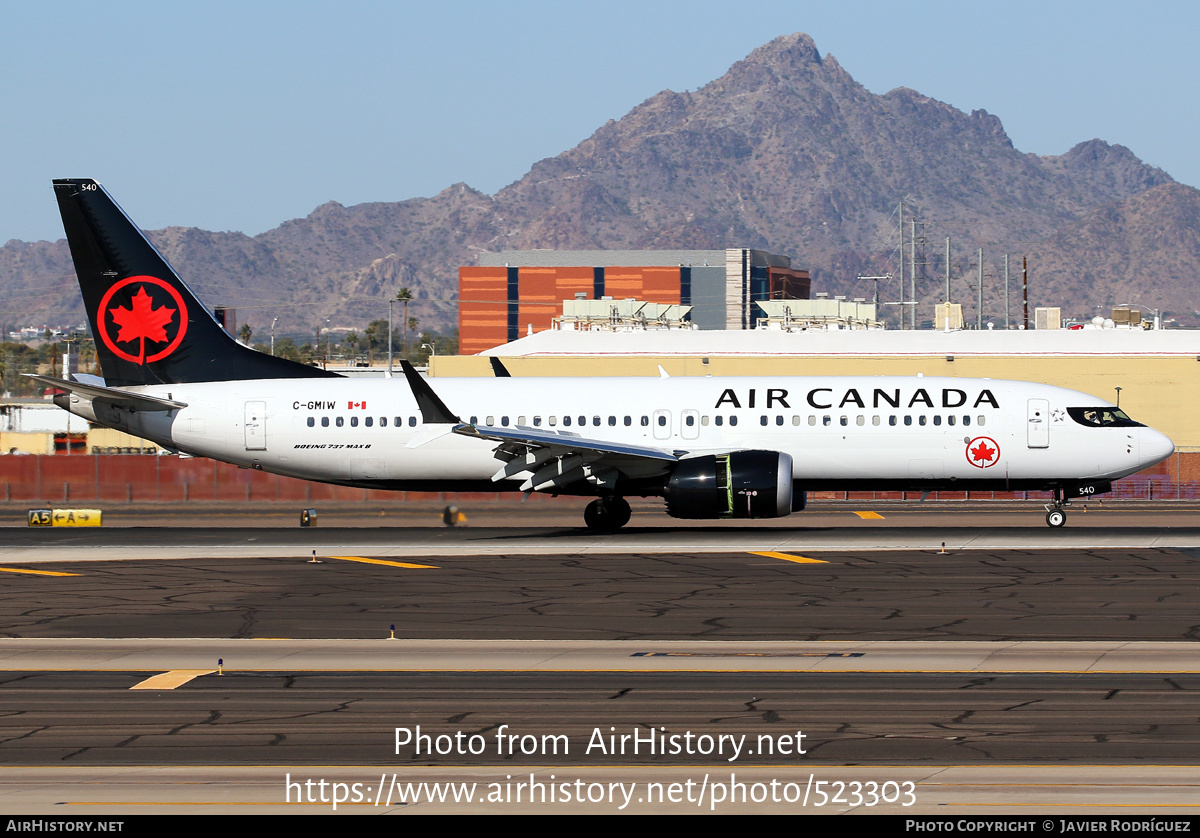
148 325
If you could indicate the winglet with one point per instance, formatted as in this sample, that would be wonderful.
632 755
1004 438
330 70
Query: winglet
499 369
433 409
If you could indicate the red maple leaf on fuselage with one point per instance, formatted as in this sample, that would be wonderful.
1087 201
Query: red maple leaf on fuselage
142 321
982 453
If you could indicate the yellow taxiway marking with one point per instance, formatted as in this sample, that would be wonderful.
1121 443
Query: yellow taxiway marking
365 560
36 572
789 558
868 515
170 680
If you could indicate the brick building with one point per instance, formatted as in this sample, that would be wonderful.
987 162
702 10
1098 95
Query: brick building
512 292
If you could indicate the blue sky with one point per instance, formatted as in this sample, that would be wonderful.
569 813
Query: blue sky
239 116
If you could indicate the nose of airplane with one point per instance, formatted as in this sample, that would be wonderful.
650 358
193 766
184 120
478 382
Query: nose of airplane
1153 447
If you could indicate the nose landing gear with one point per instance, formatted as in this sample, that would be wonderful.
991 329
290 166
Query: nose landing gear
607 513
1055 516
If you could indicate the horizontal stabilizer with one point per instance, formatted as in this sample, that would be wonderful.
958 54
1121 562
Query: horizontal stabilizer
121 398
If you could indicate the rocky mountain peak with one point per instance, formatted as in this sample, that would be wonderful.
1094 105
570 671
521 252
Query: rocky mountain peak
785 52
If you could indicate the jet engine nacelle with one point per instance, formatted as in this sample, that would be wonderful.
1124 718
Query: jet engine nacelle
741 484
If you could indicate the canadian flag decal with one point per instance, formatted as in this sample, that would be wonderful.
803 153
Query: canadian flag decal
362 405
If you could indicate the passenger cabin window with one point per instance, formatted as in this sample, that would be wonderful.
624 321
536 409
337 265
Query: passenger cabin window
340 421
412 421
311 421
719 419
354 421
324 421
369 421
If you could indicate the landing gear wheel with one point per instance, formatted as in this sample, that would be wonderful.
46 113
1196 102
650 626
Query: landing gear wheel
620 511
1056 518
607 514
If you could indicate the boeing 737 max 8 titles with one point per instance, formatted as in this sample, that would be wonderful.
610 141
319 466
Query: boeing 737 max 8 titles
711 447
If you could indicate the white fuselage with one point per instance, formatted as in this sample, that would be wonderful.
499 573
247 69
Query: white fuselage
839 431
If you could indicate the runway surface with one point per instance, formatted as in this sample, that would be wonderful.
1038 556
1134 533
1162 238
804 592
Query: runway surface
1021 668
982 594
947 532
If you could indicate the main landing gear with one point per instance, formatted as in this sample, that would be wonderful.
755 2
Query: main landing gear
1055 516
607 514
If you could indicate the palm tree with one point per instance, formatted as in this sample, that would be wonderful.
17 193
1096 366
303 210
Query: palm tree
245 332
372 335
404 295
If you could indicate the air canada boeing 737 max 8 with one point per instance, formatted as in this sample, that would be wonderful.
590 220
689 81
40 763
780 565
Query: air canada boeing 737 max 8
711 447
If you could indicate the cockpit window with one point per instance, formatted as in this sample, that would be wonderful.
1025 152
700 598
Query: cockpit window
1102 417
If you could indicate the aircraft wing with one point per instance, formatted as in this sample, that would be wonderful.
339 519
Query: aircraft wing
554 459
120 398
522 439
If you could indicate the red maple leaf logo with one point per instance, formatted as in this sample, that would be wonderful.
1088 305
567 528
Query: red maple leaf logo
142 321
982 453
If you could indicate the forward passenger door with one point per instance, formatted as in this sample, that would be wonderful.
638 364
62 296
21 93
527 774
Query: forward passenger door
1038 423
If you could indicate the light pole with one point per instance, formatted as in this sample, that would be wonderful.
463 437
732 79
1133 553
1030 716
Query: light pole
273 322
389 372
327 340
